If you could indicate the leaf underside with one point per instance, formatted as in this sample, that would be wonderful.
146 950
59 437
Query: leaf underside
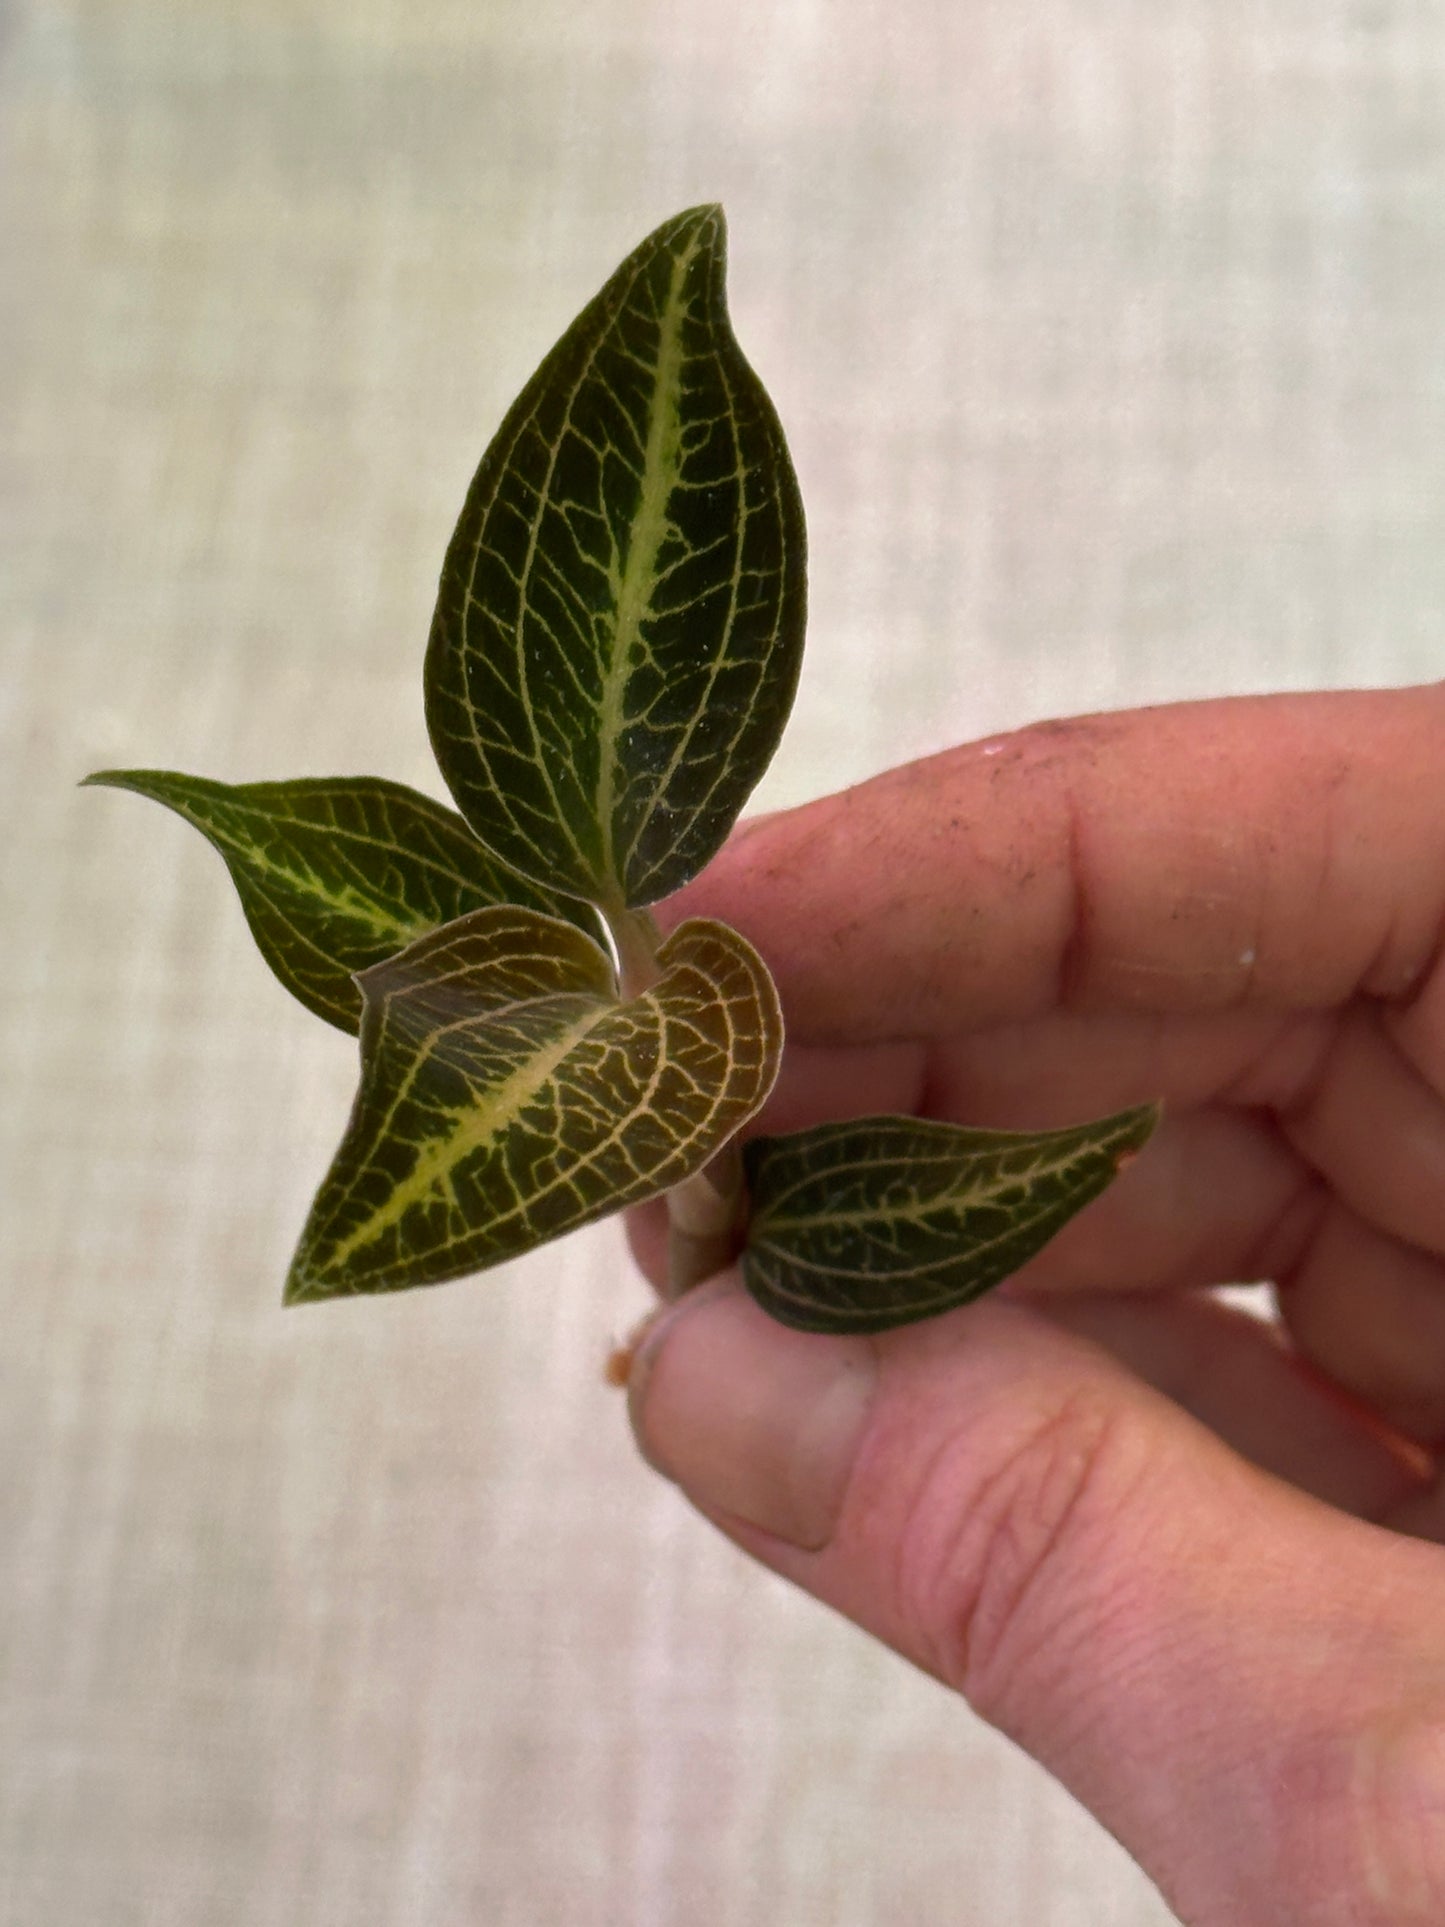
619 625
336 874
881 1221
507 1096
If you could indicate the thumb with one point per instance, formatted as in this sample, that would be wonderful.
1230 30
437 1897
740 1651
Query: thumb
1244 1685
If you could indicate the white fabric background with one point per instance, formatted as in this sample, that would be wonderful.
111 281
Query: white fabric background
1107 336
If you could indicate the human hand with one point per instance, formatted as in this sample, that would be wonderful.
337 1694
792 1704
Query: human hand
1182 1557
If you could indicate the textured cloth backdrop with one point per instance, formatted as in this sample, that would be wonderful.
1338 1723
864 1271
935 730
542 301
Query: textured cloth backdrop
1107 335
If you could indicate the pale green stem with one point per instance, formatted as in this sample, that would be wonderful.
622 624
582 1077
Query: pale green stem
705 1215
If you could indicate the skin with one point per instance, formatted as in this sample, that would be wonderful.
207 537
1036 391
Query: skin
1190 1560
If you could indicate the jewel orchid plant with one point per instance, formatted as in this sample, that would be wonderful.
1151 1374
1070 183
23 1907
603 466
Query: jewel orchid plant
614 653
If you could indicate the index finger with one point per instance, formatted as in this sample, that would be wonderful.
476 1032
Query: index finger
1284 852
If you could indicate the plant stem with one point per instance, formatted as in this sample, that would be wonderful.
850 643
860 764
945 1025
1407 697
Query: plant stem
705 1211
635 938
705 1221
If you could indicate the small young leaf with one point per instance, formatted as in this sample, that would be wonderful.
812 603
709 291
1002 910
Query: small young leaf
507 1096
337 873
619 626
861 1226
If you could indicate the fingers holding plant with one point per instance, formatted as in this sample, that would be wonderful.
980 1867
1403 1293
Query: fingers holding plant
1232 906
1245 1685
1235 907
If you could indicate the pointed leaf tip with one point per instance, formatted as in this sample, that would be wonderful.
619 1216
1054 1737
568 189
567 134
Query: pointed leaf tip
619 624
879 1222
337 873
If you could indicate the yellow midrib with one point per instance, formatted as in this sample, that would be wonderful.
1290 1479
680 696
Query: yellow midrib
471 1130
659 472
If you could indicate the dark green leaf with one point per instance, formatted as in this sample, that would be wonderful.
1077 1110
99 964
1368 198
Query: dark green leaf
620 622
507 1096
861 1226
337 873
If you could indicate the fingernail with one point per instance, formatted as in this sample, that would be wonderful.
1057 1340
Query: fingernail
748 1417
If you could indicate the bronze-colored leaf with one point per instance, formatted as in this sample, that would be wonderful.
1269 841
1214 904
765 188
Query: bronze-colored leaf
508 1096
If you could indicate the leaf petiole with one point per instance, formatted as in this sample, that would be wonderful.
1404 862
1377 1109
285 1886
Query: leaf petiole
705 1221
